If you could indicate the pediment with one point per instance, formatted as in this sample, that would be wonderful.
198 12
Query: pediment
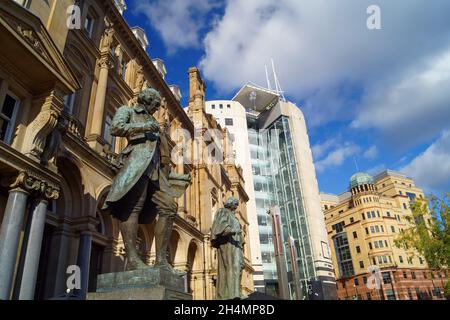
29 30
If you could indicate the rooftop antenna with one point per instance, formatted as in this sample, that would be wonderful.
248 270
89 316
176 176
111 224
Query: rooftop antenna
356 164
277 83
267 78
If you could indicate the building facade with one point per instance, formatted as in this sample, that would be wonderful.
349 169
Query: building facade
362 225
59 89
274 152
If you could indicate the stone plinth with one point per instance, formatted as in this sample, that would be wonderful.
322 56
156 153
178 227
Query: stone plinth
145 284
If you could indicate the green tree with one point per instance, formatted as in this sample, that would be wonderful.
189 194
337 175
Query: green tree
430 234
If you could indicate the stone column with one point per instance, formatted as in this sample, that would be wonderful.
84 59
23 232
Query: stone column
95 132
9 238
83 261
31 263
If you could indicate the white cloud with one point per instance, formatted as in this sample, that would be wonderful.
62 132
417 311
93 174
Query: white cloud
326 55
179 22
337 157
431 169
415 108
320 149
371 153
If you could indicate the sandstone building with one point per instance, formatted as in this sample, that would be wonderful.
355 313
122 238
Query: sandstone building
59 89
362 225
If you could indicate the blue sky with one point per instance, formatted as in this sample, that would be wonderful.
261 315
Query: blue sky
380 98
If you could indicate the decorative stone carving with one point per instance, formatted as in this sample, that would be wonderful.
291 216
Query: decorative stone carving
32 183
53 141
43 125
105 62
107 38
139 78
31 38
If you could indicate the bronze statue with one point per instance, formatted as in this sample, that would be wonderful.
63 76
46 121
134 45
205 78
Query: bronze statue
227 237
145 187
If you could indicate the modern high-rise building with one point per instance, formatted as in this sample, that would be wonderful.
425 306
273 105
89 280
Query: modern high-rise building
362 225
272 147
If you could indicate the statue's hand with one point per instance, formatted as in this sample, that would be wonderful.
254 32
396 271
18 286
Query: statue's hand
152 126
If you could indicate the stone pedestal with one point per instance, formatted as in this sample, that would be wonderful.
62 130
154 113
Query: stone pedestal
145 284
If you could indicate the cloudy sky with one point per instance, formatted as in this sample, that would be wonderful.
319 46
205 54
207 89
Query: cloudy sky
373 99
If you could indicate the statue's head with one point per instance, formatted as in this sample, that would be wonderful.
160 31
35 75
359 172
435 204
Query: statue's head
150 99
232 203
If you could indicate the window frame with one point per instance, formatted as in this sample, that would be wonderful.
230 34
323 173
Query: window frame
13 119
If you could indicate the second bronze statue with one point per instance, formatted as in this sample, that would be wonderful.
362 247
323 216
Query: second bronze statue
145 187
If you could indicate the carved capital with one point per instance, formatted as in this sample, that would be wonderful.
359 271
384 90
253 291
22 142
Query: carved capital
32 183
105 62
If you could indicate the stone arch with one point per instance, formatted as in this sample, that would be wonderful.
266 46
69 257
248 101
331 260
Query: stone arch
173 246
72 200
72 50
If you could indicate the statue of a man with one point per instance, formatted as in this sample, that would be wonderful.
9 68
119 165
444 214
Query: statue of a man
142 188
227 237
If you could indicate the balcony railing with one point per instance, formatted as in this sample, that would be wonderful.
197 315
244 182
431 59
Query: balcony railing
74 126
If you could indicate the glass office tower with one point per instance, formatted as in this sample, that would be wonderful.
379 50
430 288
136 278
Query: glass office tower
284 180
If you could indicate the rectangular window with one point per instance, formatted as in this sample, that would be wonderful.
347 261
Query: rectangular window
400 258
69 102
377 229
338 227
393 229
358 249
356 281
228 121
370 245
367 230
123 68
361 264
352 220
355 235
89 25
382 229
369 296
364 278
229 106
372 229
413 275
363 216
405 275
8 114
405 206
221 106
390 294
376 244
213 106
110 139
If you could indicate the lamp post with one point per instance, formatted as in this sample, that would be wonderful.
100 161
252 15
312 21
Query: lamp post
296 279
279 252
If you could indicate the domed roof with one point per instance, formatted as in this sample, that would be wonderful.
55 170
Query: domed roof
360 178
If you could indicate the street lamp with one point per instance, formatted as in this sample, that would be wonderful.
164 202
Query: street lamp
277 232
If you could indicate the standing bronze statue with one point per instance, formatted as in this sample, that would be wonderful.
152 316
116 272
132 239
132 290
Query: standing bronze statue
145 187
227 237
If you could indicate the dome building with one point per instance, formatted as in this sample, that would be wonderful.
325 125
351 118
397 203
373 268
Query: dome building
362 226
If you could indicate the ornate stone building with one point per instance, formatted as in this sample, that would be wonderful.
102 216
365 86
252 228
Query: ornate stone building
362 226
59 89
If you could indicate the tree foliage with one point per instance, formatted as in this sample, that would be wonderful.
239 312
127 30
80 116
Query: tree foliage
430 233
